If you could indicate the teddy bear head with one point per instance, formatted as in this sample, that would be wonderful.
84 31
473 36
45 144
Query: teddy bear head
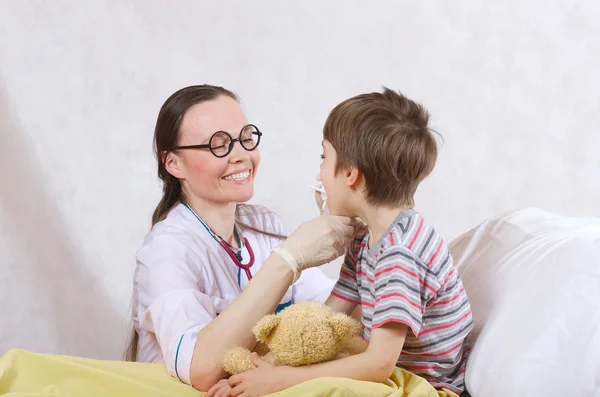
305 333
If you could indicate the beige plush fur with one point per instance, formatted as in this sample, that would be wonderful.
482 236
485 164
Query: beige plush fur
304 333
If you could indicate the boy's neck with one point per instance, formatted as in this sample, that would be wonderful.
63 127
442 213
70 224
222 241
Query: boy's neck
379 219
218 216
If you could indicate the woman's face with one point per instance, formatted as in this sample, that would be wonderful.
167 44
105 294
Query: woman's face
225 180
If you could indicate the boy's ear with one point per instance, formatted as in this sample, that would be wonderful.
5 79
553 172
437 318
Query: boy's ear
353 176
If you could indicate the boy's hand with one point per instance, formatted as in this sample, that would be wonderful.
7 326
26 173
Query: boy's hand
263 380
220 389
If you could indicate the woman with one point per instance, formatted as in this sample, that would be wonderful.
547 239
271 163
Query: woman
205 273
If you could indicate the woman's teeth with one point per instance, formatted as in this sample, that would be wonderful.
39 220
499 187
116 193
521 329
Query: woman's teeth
238 177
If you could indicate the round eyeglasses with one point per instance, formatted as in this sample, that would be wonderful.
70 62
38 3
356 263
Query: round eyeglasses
221 143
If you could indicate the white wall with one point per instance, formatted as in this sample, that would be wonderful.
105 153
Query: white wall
513 88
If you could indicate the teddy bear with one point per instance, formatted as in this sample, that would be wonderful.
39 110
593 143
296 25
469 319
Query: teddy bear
301 334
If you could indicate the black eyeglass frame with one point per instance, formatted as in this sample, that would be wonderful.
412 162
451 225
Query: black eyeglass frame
256 132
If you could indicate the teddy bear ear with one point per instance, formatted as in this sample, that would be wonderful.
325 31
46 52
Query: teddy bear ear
265 327
343 326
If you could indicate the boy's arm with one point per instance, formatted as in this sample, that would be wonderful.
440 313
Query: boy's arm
345 297
375 365
341 305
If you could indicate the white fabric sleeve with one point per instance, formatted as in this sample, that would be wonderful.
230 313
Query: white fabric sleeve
313 286
175 307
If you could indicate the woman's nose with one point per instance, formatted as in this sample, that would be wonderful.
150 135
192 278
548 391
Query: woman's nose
238 153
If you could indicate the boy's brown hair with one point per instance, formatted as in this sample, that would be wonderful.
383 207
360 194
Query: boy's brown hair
386 136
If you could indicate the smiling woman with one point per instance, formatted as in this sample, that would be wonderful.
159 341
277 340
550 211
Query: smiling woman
205 174
189 270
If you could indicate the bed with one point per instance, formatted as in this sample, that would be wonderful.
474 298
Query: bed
533 279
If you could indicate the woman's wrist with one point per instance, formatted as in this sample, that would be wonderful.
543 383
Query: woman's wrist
279 268
286 255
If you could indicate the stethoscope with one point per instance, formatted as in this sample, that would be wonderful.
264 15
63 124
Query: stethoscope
236 257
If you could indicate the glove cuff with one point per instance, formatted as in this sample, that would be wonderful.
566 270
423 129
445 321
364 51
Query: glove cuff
289 259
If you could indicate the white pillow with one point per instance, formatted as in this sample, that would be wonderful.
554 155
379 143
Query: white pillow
533 279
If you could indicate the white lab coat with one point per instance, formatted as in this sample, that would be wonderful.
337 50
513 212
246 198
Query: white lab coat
184 279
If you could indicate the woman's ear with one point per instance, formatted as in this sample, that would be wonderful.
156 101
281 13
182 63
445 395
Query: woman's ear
172 164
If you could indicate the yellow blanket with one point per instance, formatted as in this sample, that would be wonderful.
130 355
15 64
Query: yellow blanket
24 373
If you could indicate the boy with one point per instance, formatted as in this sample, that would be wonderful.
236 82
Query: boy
377 148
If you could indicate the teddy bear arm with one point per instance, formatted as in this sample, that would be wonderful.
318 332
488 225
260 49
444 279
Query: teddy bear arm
237 360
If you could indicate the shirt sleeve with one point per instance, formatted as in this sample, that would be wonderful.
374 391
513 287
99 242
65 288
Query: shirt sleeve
403 285
173 306
346 287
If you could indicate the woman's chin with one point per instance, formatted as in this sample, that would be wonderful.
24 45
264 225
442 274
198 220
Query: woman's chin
241 196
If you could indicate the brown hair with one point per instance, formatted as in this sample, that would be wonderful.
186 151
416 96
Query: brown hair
386 136
166 138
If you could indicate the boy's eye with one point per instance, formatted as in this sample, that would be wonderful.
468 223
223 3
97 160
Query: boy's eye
322 157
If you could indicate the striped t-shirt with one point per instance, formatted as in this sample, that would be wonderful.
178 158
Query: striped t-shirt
409 277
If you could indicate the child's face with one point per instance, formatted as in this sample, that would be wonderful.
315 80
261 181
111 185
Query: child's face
335 185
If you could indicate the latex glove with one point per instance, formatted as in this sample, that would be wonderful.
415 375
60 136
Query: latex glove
321 200
317 242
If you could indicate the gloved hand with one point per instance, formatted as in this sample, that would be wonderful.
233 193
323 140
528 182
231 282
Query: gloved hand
317 242
321 200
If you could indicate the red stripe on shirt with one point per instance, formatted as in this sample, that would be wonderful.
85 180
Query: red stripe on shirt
447 279
416 234
447 325
401 296
415 275
419 366
361 273
451 300
443 353
345 273
389 269
344 298
391 238
428 286
436 253
394 320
